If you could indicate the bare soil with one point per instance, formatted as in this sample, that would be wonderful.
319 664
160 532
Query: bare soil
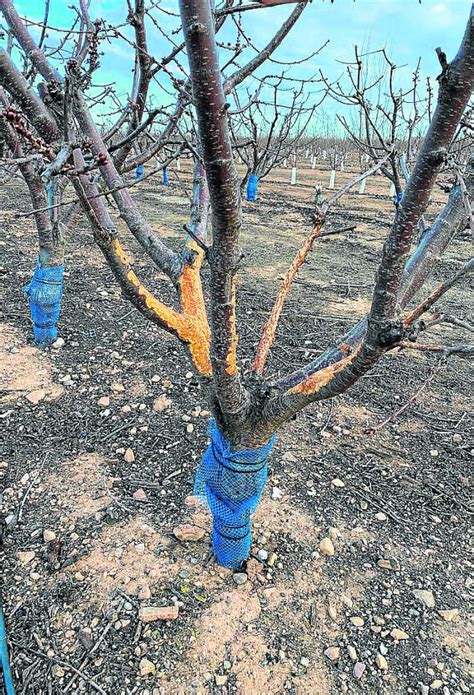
88 537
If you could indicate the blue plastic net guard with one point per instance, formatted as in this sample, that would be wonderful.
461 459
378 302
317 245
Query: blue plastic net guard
44 293
231 484
252 187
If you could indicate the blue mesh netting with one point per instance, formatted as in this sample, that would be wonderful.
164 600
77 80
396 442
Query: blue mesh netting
165 176
231 484
252 187
139 172
44 292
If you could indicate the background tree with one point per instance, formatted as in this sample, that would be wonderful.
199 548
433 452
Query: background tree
267 133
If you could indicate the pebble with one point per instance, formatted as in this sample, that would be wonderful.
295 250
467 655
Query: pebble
240 578
380 516
359 669
434 453
272 558
399 634
457 439
139 495
34 397
425 596
129 456
358 622
48 536
26 556
188 532
277 494
389 563
144 592
381 662
58 671
148 614
304 661
352 651
58 343
161 403
450 615
436 684
190 428
146 667
104 401
288 456
337 482
383 649
262 554
332 653
220 679
326 546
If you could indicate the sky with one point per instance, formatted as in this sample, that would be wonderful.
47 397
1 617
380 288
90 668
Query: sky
407 28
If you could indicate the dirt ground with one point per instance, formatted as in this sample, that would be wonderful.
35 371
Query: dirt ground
100 441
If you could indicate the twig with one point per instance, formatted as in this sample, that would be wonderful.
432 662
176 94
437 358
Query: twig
437 293
33 481
55 660
327 204
118 429
94 648
466 350
413 397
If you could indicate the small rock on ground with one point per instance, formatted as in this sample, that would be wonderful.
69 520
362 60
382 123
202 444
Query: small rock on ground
326 546
188 532
148 614
359 669
424 596
332 653
240 578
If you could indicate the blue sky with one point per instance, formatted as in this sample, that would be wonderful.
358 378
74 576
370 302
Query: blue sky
406 28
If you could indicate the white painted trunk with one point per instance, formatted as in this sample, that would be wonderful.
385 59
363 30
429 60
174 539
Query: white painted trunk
293 176
178 164
362 186
392 190
332 180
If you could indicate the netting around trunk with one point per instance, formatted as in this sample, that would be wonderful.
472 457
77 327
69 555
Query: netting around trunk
231 482
44 293
252 187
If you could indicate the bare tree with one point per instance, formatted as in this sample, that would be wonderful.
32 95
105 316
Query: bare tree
388 119
267 133
248 409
